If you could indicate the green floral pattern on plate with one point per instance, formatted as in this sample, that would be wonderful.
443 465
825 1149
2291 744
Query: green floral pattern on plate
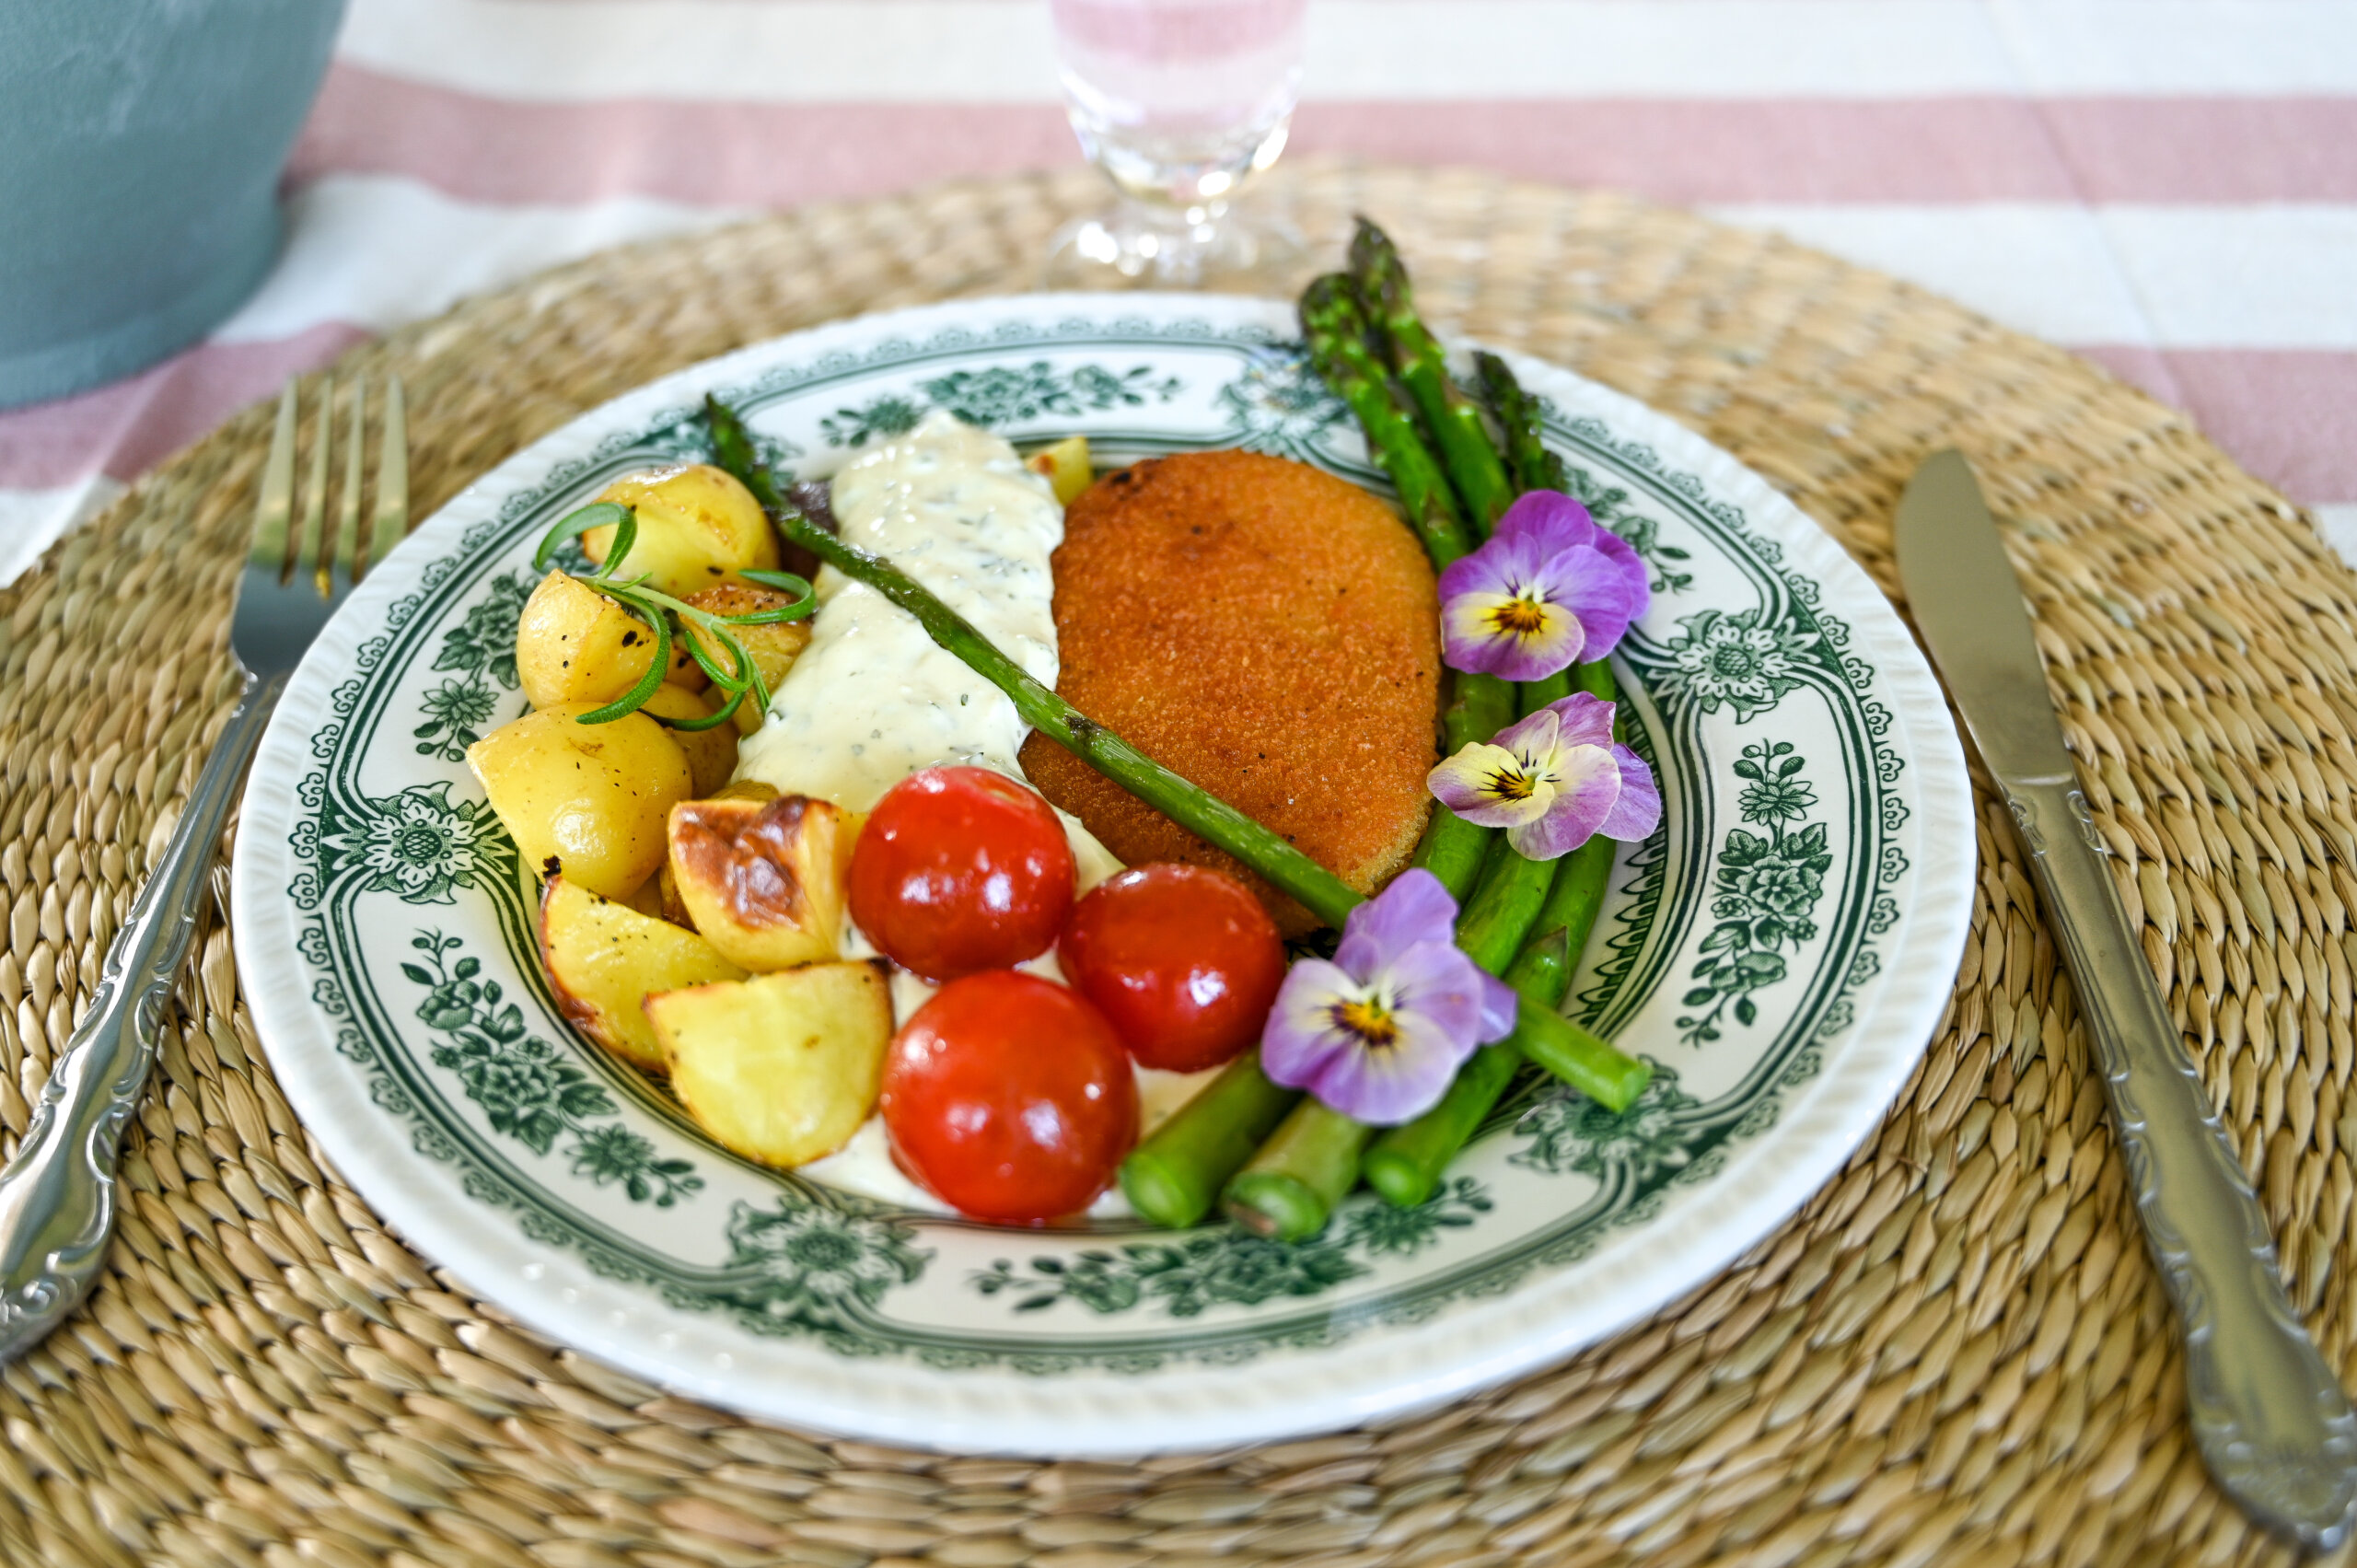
1567 1131
1000 395
530 1090
1767 890
805 1266
1229 1265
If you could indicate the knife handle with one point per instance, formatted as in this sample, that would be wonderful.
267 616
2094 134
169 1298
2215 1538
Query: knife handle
2272 1422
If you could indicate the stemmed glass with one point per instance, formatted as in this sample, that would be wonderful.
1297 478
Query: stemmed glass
1181 103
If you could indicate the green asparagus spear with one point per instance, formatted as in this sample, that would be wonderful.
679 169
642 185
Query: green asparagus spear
1506 903
1308 1166
1535 466
1404 1163
1467 452
1507 892
1335 324
1324 894
1587 1061
1529 696
1175 1175
1452 848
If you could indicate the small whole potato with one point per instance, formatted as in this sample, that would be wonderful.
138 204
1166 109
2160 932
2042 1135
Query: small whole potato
594 798
574 645
711 753
772 647
697 528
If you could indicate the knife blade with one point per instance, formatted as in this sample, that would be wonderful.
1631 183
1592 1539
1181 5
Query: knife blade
2272 1422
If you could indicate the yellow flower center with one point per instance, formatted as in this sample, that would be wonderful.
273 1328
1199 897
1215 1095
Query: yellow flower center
1510 783
1367 1019
1519 617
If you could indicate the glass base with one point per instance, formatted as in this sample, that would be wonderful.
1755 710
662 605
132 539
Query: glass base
1250 249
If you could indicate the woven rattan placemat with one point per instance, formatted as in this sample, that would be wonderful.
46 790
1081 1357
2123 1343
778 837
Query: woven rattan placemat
1956 1353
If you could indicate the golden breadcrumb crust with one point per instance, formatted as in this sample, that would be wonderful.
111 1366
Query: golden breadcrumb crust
1265 630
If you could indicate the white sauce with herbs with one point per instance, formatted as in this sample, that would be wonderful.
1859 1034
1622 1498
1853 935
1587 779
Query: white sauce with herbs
873 698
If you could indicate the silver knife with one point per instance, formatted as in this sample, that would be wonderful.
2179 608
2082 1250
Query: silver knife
2272 1422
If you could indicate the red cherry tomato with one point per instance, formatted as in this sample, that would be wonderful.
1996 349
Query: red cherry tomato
1182 961
958 870
1009 1096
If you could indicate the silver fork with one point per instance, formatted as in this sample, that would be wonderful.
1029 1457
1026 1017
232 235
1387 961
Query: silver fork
57 1196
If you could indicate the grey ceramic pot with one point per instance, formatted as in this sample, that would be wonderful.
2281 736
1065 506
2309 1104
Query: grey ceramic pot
140 148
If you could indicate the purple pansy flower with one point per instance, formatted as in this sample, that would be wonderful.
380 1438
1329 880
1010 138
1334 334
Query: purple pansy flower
1552 781
1550 588
1379 1032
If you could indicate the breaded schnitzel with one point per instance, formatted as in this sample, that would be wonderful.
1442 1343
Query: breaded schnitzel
1265 630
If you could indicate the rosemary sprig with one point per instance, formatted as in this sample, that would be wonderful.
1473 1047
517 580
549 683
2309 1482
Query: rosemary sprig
658 611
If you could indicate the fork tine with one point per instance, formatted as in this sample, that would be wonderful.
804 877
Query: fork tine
392 477
276 503
347 531
315 495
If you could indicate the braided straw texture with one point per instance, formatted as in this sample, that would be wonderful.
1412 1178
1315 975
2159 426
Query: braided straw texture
1955 1354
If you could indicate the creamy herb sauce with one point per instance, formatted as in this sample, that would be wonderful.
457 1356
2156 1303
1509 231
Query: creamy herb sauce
873 698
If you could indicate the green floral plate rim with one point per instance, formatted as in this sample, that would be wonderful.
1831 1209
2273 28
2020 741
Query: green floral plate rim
1781 949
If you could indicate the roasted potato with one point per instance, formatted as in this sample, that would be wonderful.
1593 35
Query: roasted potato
782 1068
711 753
604 961
763 880
667 897
1065 464
772 647
697 528
593 798
574 645
648 899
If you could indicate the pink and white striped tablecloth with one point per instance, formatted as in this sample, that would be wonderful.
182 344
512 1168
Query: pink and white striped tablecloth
2168 186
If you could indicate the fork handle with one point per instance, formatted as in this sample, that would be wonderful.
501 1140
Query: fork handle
57 1196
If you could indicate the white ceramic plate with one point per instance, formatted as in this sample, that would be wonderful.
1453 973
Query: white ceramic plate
1781 949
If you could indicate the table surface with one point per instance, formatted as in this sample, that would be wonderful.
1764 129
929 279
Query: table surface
2166 186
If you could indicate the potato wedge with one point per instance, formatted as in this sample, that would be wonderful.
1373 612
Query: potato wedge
847 828
1067 466
697 528
593 798
648 899
711 753
763 880
667 897
773 647
574 645
604 961
782 1068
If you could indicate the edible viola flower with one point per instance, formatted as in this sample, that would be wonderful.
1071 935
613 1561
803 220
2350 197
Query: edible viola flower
1548 590
1552 781
1379 1032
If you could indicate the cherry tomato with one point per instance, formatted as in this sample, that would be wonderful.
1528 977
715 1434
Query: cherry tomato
1181 960
1009 1096
958 870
